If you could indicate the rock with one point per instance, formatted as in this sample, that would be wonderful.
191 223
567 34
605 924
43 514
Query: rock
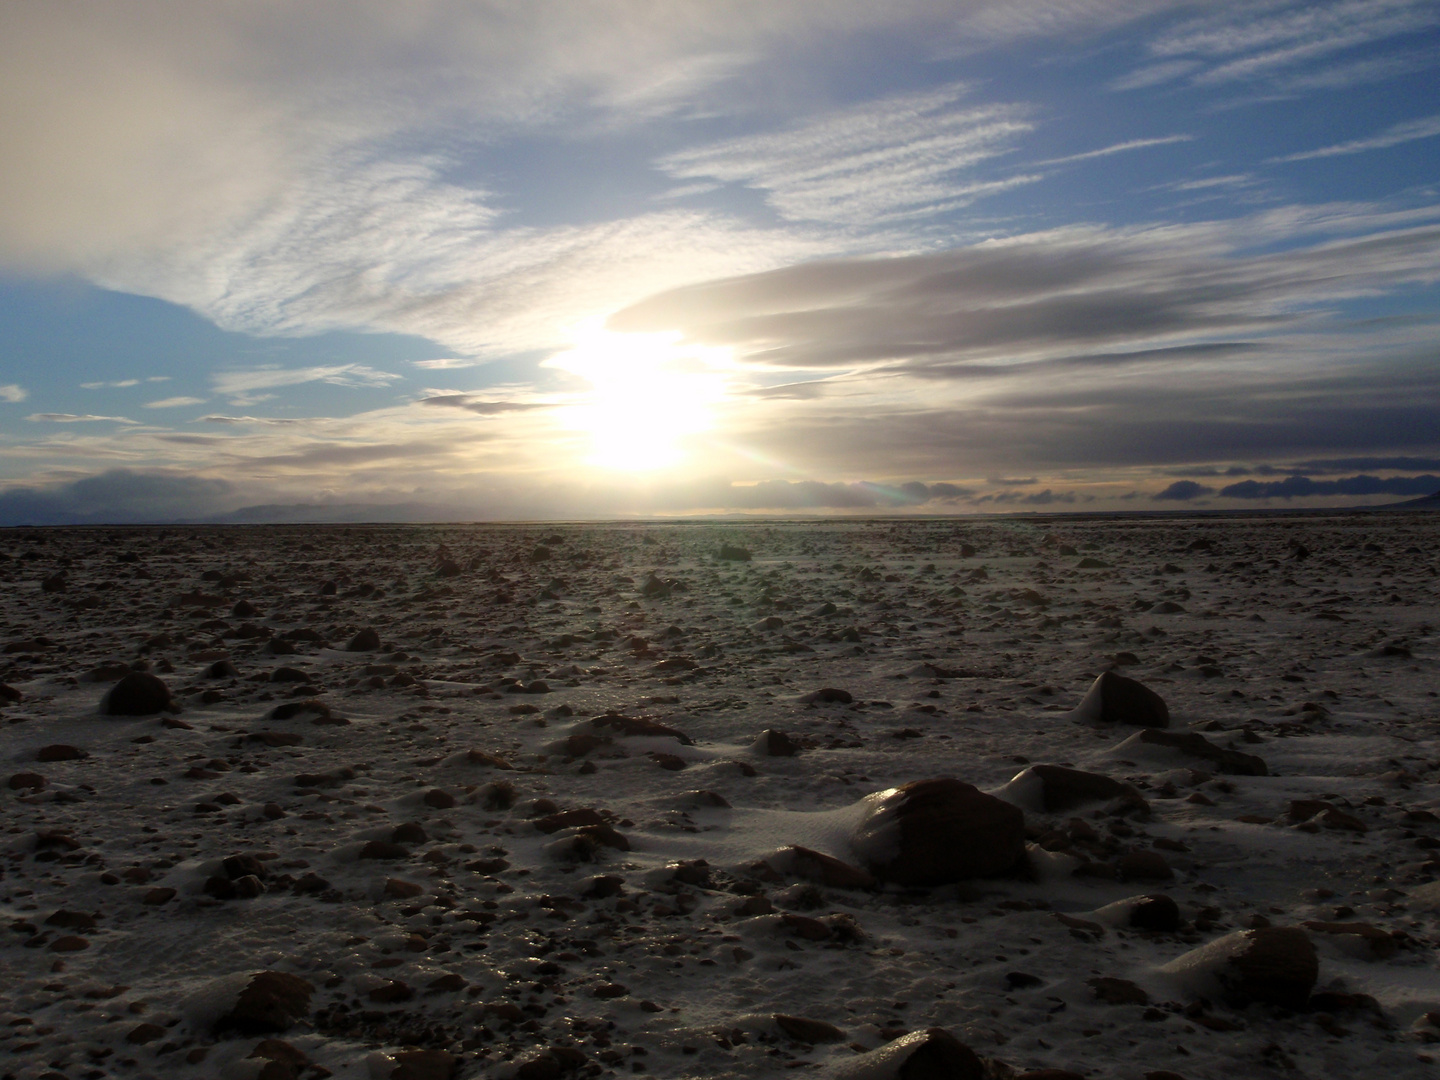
318 711
60 752
932 832
1155 912
439 799
1196 745
9 695
244 609
159 895
774 743
1361 940
138 694
482 757
828 695
221 669
1051 788
366 640
396 889
144 1033
27 781
805 1030
424 1065
271 1001
69 943
637 726
1118 991
392 992
821 869
932 1054
1118 699
1276 965
1323 813
608 991
384 849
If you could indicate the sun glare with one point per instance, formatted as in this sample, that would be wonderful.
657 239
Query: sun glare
649 393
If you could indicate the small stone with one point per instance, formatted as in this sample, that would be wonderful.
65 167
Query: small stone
159 895
69 943
397 889
606 991
438 799
1118 991
27 781
774 743
144 1033
391 992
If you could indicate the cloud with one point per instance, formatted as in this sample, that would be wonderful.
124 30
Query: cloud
1030 297
470 403
1012 481
894 159
1117 148
268 378
446 364
118 384
75 418
1234 44
1302 487
1034 498
13 393
117 496
1403 464
174 402
1183 491
264 420
1409 131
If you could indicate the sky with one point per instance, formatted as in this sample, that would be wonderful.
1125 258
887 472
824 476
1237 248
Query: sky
569 259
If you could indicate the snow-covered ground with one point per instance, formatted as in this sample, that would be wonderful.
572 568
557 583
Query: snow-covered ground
406 862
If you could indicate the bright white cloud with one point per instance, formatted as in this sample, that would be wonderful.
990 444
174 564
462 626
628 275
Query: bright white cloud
115 385
12 393
174 402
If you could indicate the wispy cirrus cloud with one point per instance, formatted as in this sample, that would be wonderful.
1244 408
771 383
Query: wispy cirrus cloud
900 158
76 418
175 402
270 378
1117 148
1427 127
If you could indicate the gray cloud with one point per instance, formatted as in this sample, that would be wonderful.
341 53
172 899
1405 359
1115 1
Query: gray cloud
1300 487
1183 491
470 403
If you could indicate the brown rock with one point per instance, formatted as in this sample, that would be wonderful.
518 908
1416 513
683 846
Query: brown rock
481 757
384 849
805 1030
438 799
1068 788
144 1033
932 832
271 1001
60 752
1156 912
27 781
1118 699
69 943
397 889
138 694
1276 965
1196 745
569 819
157 896
609 990
1118 991
366 640
9 695
633 726
1377 943
823 869
776 744
392 992
940 1056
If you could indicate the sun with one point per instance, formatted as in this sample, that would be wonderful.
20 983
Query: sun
649 394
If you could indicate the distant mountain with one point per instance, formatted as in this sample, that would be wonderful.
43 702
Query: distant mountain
1425 502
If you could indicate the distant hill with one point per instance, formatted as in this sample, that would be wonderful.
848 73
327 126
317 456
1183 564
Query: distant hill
1425 502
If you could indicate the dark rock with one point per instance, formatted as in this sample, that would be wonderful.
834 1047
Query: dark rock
1143 866
9 695
244 609
366 640
1065 789
938 1055
1117 699
639 726
734 553
776 744
802 1029
271 1001
384 849
1156 912
138 694
1276 965
27 781
409 832
1118 991
222 669
238 866
289 674
932 832
829 695
1196 745
821 869
424 1065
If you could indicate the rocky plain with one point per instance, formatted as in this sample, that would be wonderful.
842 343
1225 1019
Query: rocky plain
1035 797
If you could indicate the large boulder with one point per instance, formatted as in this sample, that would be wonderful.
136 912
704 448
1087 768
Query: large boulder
1276 965
138 694
931 1054
933 832
1117 699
